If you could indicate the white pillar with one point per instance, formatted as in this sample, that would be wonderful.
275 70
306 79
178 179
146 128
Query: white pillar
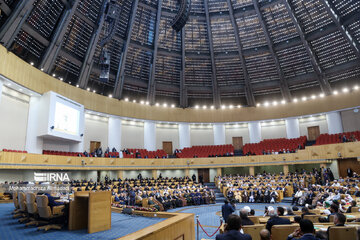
254 132
149 136
114 133
219 133
292 127
79 146
34 144
184 135
1 88
334 122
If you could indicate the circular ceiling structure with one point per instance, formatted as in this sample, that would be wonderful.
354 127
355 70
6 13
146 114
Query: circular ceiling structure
238 52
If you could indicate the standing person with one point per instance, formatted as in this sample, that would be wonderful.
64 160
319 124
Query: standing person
349 172
201 180
132 196
232 230
226 210
194 177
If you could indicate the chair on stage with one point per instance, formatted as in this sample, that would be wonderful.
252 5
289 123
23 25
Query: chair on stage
32 210
53 217
16 203
336 233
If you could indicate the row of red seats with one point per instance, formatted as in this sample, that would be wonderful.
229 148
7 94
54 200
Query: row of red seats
62 153
337 138
206 151
143 153
274 145
10 150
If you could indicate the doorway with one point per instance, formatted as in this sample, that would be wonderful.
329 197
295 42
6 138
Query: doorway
204 172
94 145
237 143
344 164
313 133
168 147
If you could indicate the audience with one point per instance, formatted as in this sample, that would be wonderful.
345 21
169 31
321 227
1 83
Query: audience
232 230
245 220
275 219
305 232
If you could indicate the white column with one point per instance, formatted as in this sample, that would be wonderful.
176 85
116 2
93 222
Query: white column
292 127
1 88
254 132
184 135
114 133
334 122
79 146
149 136
219 133
33 144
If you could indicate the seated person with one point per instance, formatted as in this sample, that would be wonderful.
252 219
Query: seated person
232 229
52 201
275 219
305 232
245 220
265 234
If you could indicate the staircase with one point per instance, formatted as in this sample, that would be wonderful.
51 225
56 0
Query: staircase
219 196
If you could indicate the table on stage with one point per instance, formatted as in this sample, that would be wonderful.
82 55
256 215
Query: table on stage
91 210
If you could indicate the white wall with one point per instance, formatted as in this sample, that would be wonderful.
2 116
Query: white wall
240 130
320 121
96 129
171 173
135 173
132 136
275 129
55 145
167 133
201 136
16 175
13 120
351 120
212 174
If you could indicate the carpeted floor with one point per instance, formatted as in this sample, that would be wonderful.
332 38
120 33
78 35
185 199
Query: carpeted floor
209 215
121 225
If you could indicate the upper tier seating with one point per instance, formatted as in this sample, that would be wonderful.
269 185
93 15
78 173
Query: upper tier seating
274 145
10 150
61 153
131 153
337 138
206 151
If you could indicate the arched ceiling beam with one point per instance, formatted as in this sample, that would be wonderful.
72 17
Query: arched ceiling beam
248 90
331 10
283 83
15 22
323 82
5 8
216 93
119 80
52 51
151 85
88 60
183 91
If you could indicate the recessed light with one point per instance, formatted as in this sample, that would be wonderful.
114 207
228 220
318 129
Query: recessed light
88 89
110 96
196 106
126 99
304 99
283 102
212 107
335 92
345 90
295 100
322 95
172 105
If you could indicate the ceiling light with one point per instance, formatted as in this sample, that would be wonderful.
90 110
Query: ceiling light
157 104
142 102
54 75
322 95
266 104
258 105
356 87
147 103
304 99
295 100
94 91
275 103
313 97
77 85
223 107
134 101
20 89
196 106
32 64
239 106
231 106
126 99
335 92
42 69
212 107
165 105
9 84
88 89
172 105
204 107
110 96
345 90
283 101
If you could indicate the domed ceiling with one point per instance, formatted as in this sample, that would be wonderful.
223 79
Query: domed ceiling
238 52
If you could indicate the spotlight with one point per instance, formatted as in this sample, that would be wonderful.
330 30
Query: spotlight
283 102
126 99
313 97
204 107
356 87
54 75
88 89
134 101
335 92
77 85
147 103
32 64
295 100
266 104
223 107
94 91
345 90
304 99
196 106
258 105
110 96
231 106
157 104
42 69
165 105
172 105
141 102
212 107
322 95
239 106
275 103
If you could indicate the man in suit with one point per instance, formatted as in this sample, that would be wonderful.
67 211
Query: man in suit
275 219
226 210
245 220
305 232
232 230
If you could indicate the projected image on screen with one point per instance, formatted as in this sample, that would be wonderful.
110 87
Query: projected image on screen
66 119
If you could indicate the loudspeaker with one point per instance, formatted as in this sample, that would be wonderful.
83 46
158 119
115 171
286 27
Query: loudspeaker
127 211
52 127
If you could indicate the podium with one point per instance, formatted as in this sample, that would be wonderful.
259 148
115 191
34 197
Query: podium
91 211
